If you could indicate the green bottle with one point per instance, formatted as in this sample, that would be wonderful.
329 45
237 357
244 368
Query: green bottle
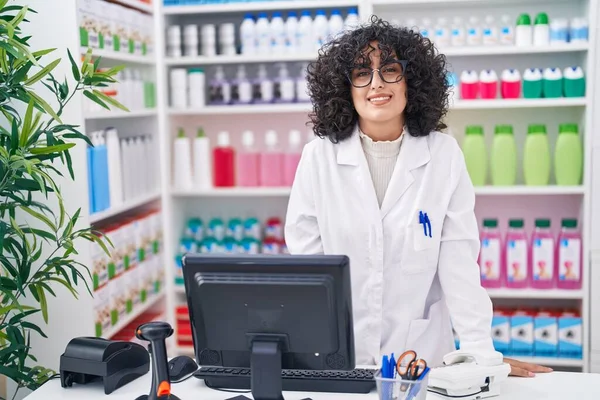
568 156
536 157
475 153
504 157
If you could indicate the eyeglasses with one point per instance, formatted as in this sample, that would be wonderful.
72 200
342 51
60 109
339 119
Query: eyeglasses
391 72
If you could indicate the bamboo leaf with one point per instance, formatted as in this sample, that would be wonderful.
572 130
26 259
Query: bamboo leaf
52 149
40 232
43 303
26 129
44 105
74 69
19 17
110 100
95 99
42 73
41 217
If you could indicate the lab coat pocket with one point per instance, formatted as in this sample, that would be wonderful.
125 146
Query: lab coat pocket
426 233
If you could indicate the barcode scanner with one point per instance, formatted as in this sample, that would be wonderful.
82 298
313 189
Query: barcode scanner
156 333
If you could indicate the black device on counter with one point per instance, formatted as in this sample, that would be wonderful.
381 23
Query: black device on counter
116 363
156 333
268 315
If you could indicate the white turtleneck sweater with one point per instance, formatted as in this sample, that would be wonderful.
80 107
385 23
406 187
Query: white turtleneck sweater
381 158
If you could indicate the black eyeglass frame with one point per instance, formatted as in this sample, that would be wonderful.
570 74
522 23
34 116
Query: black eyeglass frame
403 63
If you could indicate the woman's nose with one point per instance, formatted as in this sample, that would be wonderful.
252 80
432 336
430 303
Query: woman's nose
376 82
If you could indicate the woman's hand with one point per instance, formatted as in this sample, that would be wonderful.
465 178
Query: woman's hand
520 368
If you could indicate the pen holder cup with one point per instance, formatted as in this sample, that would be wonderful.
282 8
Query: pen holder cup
401 389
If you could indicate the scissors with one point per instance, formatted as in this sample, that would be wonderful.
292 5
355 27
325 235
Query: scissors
409 366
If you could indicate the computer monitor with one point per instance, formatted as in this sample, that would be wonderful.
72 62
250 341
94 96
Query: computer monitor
270 312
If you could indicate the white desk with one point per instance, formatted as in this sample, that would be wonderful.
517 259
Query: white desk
553 386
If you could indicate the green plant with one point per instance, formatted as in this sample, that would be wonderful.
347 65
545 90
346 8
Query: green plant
38 237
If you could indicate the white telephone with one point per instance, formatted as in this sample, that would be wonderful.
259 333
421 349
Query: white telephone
469 375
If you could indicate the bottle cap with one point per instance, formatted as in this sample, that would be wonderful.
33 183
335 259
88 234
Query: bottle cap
542 223
180 133
568 128
536 129
271 138
490 223
277 14
262 71
524 19
306 13
262 15
200 132
223 139
320 12
295 138
474 130
249 16
196 70
569 223
515 223
353 10
336 12
248 139
541 19
292 14
503 130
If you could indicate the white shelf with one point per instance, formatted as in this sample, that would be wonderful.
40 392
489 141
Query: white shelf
245 109
528 293
118 114
506 50
551 361
233 192
127 206
240 59
133 315
550 190
238 7
426 3
137 4
179 288
120 57
518 103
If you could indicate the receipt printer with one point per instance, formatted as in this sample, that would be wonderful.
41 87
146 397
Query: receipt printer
116 363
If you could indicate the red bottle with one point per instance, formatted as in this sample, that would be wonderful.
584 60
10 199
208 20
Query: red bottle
224 162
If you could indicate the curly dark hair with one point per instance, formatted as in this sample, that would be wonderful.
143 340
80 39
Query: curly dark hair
333 114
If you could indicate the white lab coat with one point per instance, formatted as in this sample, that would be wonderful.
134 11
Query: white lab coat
405 284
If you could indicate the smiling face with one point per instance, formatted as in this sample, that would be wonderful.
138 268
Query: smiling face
380 105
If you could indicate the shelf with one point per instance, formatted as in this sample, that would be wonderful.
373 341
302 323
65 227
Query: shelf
179 288
550 361
113 330
506 50
506 293
550 190
518 103
238 7
427 3
118 114
120 57
234 192
240 59
246 109
127 206
137 4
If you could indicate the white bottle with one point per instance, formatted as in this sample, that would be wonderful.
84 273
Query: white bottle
208 37
474 36
352 21
507 31
243 87
559 31
128 88
202 161
115 178
426 28
137 185
579 31
248 35
196 87
302 94
182 171
305 33
285 86
458 35
263 34
138 89
178 88
320 29
277 34
490 31
524 31
442 33
149 163
227 39
190 40
264 86
291 33
126 168
336 24
541 30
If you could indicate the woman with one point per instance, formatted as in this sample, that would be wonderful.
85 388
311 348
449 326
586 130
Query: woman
390 191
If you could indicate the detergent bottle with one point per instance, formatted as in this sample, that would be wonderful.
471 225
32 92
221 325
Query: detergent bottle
504 157
568 256
475 154
536 157
516 256
568 156
490 256
542 256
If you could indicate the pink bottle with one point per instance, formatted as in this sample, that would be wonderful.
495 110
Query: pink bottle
543 274
490 256
469 85
568 256
488 84
248 162
516 256
271 162
291 158
224 162
511 84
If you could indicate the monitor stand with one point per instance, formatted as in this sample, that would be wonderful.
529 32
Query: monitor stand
265 364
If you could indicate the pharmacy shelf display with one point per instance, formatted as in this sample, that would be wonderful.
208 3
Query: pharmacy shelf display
207 61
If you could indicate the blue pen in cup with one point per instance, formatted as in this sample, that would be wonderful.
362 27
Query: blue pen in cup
416 388
386 386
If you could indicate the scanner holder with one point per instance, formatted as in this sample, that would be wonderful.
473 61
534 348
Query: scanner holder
265 364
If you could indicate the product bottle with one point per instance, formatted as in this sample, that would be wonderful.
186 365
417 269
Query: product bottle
263 34
579 30
568 156
182 173
248 162
241 92
263 86
271 162
475 154
469 85
507 32
490 31
574 82
488 84
202 161
524 31
284 87
351 22
223 162
532 83
458 35
490 257
442 33
291 158
305 33
516 255
291 33
542 256
426 29
302 94
559 31
248 35
536 157
115 173
102 174
126 164
511 84
90 175
220 89
504 157
568 256
320 29
474 33
277 34
336 24
552 83
541 30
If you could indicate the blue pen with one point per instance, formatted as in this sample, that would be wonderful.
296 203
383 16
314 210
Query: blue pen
422 222
414 390
385 367
392 371
428 223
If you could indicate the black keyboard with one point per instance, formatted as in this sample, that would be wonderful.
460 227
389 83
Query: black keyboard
354 381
